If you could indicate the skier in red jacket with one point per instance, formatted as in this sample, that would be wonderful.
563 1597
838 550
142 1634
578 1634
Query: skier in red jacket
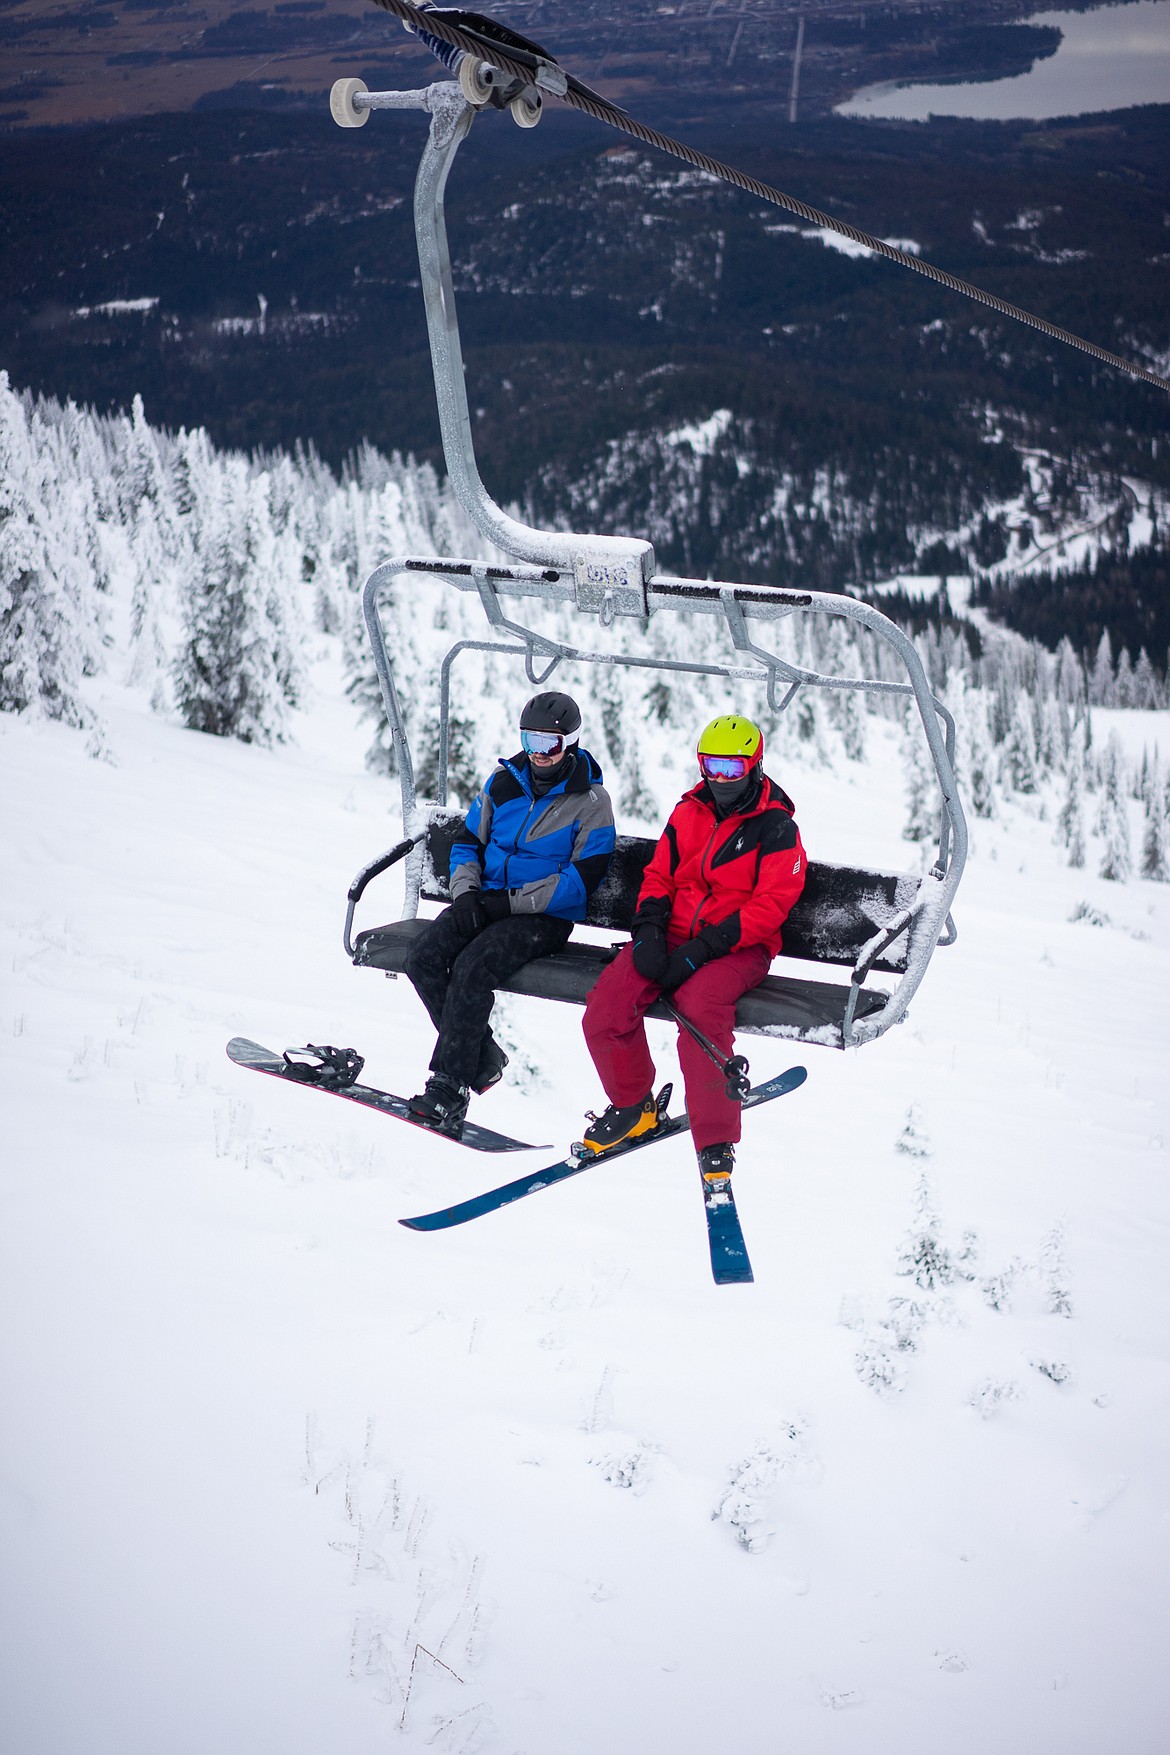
725 873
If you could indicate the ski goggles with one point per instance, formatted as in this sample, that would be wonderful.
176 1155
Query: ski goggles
542 743
724 767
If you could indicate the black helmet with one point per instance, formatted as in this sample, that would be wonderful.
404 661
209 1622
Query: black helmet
551 711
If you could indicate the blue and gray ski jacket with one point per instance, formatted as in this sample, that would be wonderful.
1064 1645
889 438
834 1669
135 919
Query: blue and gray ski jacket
550 853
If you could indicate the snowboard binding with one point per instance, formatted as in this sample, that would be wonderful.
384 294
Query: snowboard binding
338 1067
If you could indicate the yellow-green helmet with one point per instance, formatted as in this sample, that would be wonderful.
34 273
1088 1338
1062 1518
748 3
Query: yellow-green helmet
730 747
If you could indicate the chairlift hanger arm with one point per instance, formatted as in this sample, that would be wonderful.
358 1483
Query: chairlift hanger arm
617 566
549 76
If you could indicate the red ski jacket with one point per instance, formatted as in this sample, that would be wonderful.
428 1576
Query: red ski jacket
741 875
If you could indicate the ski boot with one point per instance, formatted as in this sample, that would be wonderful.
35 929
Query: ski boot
490 1068
618 1126
336 1067
441 1105
716 1164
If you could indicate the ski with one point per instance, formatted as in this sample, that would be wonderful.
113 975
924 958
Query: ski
566 1167
729 1257
480 1139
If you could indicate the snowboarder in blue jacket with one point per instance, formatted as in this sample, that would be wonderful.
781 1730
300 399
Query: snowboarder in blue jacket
534 847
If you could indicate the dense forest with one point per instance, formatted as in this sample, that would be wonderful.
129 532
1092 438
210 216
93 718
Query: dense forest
647 350
206 576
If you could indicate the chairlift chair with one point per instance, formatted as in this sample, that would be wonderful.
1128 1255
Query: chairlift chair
853 917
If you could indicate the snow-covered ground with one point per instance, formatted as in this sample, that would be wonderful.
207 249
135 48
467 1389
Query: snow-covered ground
279 1475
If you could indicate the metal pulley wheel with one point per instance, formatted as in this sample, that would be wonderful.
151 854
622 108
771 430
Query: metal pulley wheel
475 81
341 104
528 108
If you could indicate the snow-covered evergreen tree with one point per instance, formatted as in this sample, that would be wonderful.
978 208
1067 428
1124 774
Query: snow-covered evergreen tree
1146 693
923 799
980 757
1155 866
1070 674
1123 690
1117 858
1110 765
236 671
1070 824
152 525
1018 756
46 613
1101 684
846 707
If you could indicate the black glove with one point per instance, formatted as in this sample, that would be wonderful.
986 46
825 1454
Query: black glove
650 953
469 913
711 942
496 904
682 964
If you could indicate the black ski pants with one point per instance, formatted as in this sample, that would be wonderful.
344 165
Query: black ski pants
456 979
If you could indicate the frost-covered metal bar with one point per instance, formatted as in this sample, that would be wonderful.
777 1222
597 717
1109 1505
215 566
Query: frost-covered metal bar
608 569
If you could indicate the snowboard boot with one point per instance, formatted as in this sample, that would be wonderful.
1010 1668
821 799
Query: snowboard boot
490 1067
619 1125
716 1164
442 1104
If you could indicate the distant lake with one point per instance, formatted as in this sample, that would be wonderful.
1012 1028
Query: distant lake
1109 59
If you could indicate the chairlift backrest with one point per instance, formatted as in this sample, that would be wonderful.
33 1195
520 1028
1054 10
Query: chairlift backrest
838 914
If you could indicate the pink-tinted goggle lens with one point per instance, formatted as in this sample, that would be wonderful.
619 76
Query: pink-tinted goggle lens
724 767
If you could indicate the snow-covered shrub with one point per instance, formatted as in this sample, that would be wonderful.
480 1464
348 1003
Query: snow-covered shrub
991 1394
878 1364
1054 1274
1057 1371
905 1319
746 1502
997 1288
913 1140
632 1468
922 1255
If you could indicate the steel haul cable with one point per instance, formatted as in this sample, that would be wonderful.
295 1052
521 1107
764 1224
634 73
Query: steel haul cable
552 80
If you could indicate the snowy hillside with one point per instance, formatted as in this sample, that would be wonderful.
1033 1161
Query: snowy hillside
281 1475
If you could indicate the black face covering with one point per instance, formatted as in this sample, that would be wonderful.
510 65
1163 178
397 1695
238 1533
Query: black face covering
544 779
729 796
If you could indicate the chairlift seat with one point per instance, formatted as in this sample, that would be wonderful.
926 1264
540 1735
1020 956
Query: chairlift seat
842 915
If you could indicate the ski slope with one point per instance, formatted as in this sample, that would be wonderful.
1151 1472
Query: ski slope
280 1476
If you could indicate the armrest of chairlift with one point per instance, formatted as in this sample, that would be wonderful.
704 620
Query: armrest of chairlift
367 875
870 952
881 941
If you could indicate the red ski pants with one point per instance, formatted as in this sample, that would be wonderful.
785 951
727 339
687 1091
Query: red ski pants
616 1035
